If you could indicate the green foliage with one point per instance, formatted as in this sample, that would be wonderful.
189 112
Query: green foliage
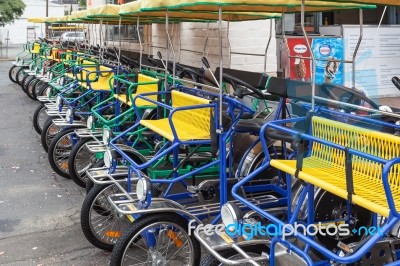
82 3
10 10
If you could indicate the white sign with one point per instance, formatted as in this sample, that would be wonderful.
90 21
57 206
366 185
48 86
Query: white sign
378 59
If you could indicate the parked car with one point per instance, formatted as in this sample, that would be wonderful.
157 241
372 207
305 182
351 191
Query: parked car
72 36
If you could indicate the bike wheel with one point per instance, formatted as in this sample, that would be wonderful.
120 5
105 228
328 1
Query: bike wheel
49 131
166 241
59 150
37 88
80 160
25 82
20 75
30 87
39 118
100 223
44 90
12 74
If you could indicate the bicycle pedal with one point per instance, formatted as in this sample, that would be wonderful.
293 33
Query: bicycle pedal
193 189
344 247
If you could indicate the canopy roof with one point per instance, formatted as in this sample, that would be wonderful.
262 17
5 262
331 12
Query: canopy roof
66 27
133 9
50 19
103 11
78 15
274 6
36 20
375 2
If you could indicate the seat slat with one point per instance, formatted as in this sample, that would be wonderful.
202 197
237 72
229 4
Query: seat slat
192 124
325 168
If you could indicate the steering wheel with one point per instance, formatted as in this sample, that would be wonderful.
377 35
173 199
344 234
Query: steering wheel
242 88
194 75
347 95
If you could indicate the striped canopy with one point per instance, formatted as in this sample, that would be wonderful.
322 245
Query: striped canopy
133 9
275 6
36 20
375 2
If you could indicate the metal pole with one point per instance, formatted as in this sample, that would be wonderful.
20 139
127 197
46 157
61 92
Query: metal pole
269 41
221 65
167 51
119 48
47 15
171 45
140 43
357 46
101 43
311 53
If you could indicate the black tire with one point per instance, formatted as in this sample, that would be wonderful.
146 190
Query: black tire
89 185
43 89
12 74
38 86
210 260
132 237
25 81
49 131
80 149
96 209
61 145
30 87
39 118
20 75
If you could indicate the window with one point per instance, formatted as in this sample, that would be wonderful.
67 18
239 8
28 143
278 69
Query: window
128 33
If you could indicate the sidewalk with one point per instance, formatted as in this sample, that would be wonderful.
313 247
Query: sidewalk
12 52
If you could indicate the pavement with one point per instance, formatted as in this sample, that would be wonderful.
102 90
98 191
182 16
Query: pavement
39 210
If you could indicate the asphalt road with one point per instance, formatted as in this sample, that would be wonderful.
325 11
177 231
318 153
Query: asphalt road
39 210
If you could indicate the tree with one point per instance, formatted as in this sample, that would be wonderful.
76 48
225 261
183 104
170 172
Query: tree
82 4
10 10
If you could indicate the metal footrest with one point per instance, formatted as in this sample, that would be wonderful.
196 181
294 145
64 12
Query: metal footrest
95 146
55 112
222 241
101 175
52 106
89 133
61 122
45 79
49 100
209 209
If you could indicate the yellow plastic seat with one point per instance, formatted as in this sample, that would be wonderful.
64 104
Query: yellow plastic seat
98 81
35 48
139 102
325 167
144 88
192 124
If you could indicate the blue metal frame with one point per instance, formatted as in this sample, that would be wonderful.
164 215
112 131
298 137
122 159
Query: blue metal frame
308 192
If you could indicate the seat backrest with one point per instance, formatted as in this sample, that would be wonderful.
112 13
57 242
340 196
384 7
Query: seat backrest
200 118
89 66
249 77
367 141
35 48
146 87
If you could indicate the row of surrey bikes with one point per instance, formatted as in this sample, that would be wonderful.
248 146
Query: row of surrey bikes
258 180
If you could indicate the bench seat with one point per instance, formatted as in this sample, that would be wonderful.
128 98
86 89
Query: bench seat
139 102
325 167
140 89
192 124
